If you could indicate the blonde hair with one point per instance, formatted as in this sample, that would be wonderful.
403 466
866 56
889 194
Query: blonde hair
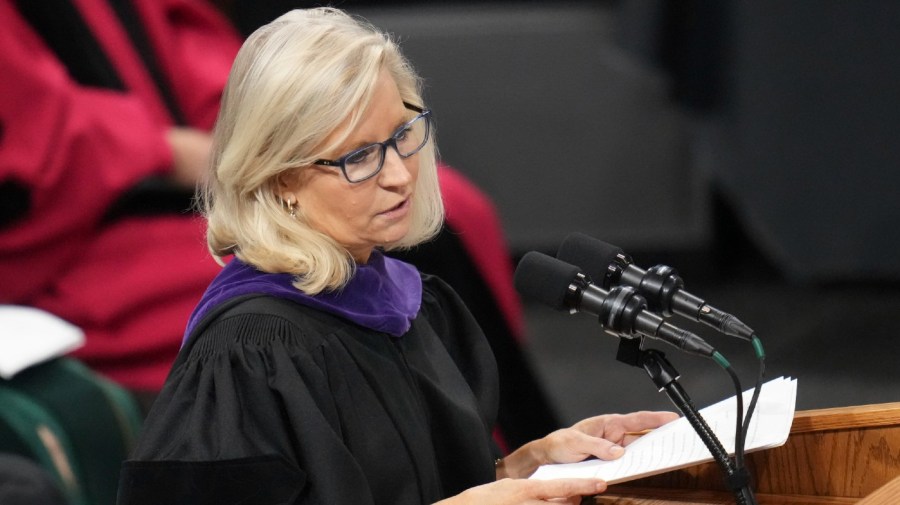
292 84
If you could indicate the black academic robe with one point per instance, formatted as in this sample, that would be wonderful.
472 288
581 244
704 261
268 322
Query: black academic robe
272 402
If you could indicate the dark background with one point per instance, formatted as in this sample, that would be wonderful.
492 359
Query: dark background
750 144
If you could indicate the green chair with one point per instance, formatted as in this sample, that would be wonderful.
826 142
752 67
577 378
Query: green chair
76 424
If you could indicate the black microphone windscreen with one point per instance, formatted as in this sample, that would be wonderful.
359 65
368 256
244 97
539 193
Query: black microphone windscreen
591 255
544 279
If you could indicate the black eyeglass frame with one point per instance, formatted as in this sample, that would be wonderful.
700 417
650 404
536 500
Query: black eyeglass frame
341 162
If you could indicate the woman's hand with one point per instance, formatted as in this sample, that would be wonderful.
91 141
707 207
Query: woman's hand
526 492
604 437
191 149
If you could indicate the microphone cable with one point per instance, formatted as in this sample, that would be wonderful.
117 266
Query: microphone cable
757 387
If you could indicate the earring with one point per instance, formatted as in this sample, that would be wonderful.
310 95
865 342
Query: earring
291 209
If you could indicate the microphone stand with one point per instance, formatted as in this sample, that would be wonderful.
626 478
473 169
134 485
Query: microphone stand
665 377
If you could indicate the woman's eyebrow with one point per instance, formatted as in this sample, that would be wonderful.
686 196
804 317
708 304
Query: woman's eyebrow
348 147
406 119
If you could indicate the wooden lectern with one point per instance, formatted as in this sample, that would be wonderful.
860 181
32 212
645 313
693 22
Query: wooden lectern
833 456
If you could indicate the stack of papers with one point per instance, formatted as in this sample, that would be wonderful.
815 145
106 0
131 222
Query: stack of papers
677 445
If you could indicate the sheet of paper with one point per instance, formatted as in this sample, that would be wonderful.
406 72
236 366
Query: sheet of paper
29 336
677 445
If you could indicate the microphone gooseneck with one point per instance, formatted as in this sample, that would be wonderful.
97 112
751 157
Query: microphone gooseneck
623 310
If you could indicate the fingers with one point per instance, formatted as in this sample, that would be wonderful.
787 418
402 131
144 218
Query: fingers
603 437
562 488
614 427
526 491
637 422
602 448
571 445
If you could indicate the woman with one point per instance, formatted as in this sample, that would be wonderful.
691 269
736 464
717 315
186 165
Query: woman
315 369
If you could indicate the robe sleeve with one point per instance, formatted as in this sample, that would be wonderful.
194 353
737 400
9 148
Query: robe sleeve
195 45
465 342
68 151
247 417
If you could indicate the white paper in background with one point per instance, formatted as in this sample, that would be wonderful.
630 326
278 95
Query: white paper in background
29 336
677 445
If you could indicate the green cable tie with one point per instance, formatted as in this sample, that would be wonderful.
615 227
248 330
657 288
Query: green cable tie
758 347
718 358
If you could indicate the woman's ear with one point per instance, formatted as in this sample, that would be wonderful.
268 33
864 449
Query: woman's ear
284 186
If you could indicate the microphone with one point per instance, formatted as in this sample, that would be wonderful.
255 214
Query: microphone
660 285
621 311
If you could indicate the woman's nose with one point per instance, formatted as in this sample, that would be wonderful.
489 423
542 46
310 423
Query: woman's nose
395 172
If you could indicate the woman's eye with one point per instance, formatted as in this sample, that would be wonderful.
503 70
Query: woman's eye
360 157
402 134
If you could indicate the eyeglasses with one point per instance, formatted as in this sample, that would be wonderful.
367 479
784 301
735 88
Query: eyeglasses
365 162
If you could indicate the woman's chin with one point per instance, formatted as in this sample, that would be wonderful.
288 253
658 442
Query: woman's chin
395 234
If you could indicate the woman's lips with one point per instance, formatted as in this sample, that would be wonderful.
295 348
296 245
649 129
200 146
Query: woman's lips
397 211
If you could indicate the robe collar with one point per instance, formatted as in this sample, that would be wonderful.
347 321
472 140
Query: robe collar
384 294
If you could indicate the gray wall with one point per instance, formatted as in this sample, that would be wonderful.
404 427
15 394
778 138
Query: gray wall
568 126
811 154
565 131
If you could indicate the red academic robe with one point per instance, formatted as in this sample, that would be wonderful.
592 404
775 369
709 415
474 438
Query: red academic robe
71 150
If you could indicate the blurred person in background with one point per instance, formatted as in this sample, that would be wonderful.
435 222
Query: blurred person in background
105 109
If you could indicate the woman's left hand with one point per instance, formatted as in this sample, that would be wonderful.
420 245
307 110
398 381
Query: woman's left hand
604 437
